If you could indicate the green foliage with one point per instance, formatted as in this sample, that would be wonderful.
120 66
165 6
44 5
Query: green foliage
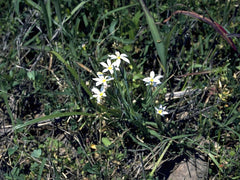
51 126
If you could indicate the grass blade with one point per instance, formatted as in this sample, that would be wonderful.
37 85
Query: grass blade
35 5
215 25
116 10
79 6
215 161
160 159
46 12
72 71
49 14
5 98
41 168
52 116
58 10
156 37
138 142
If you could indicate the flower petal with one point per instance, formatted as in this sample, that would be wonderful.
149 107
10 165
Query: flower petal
117 63
104 64
96 79
98 83
109 78
125 59
123 55
158 77
164 112
152 74
109 63
117 53
95 90
157 81
147 79
112 56
105 70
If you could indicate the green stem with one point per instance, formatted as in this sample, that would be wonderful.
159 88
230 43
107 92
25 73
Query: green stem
160 159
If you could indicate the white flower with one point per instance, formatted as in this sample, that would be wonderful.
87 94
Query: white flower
84 47
109 66
161 110
118 57
102 79
153 81
98 94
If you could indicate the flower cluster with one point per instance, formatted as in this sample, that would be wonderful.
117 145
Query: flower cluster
103 80
154 81
112 64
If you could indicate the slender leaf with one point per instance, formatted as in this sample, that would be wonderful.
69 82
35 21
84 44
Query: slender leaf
41 168
215 161
215 25
46 12
49 14
159 44
72 71
154 133
35 5
5 98
228 128
78 7
116 10
160 158
138 142
58 10
52 116
16 6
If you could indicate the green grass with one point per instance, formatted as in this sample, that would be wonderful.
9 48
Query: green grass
52 127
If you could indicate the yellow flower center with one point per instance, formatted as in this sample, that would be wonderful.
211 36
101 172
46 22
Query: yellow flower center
110 68
104 80
101 94
118 57
160 111
151 81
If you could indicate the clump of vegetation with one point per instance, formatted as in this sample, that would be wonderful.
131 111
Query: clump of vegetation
119 89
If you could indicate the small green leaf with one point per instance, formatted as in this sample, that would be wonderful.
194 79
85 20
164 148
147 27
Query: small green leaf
232 153
11 151
36 153
154 133
113 25
31 75
128 48
106 141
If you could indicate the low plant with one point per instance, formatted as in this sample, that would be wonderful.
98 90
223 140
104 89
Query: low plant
109 90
